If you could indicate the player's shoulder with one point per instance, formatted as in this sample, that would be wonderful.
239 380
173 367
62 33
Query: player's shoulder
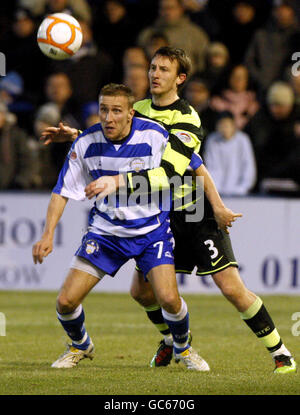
182 106
141 123
142 105
91 130
87 135
186 124
184 112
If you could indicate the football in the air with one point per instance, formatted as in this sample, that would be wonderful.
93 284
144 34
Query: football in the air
59 36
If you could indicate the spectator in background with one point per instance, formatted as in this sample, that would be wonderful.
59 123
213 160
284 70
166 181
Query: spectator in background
291 168
294 82
230 158
136 78
270 47
90 114
243 27
89 69
272 129
80 9
22 54
17 164
134 56
237 97
197 93
216 66
180 31
200 13
11 87
154 42
58 90
114 32
7 10
245 17
12 94
284 177
47 115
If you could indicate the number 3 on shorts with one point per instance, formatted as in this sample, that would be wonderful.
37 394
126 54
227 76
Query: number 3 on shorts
212 248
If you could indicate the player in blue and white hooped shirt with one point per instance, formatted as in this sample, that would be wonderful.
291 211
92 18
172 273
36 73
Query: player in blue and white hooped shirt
117 232
112 222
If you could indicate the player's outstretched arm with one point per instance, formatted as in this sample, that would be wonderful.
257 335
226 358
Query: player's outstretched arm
44 247
60 134
104 186
175 160
223 215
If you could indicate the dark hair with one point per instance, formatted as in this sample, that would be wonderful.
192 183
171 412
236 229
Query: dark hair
184 62
118 90
288 3
199 80
158 35
224 114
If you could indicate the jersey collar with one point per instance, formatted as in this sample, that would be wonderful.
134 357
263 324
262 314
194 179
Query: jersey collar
172 106
125 139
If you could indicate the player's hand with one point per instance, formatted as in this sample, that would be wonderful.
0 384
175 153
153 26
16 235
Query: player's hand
104 186
59 134
42 249
225 217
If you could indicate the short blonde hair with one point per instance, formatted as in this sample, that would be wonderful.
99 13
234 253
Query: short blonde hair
118 90
280 93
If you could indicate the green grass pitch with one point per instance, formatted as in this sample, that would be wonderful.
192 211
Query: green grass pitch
125 342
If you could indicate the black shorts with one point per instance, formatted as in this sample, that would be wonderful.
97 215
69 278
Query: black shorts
201 245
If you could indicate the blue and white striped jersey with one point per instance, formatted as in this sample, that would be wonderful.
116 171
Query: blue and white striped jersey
92 155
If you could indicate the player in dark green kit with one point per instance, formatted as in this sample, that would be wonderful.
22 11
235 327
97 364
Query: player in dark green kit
206 243
201 244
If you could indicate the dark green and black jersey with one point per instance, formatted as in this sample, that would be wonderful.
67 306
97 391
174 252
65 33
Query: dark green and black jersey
184 126
178 118
196 241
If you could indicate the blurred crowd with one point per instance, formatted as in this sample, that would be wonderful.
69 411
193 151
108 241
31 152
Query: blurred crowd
244 84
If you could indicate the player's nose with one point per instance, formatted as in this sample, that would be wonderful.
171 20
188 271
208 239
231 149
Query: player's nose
109 116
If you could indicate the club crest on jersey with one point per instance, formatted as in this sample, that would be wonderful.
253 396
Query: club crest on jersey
91 247
73 155
137 164
184 137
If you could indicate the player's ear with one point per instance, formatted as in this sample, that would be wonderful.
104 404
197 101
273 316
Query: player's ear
181 78
131 114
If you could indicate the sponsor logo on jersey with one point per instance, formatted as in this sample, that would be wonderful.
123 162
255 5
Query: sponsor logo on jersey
137 164
91 247
184 137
